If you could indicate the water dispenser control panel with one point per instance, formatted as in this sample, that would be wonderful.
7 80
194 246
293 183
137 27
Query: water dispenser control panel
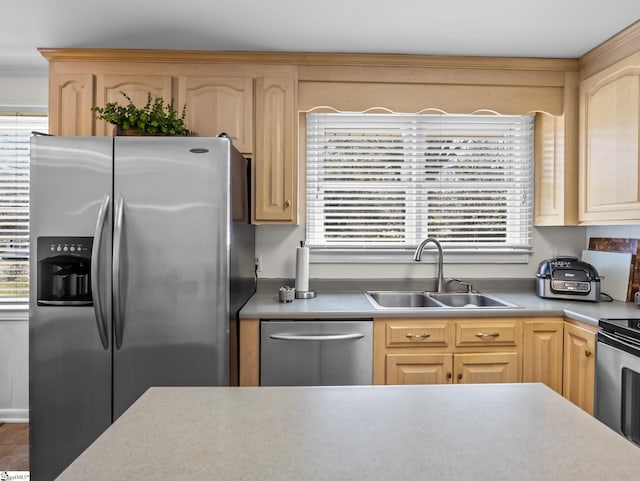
72 246
64 271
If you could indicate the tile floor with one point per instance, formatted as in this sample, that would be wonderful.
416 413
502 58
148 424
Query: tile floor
14 447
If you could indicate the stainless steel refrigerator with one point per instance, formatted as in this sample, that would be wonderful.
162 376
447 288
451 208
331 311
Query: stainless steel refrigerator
141 256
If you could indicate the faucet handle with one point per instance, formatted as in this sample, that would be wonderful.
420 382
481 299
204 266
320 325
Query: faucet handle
467 285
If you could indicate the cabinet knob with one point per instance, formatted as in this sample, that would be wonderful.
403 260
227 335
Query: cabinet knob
459 376
418 336
587 352
287 203
449 375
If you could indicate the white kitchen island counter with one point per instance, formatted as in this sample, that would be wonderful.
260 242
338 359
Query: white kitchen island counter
515 432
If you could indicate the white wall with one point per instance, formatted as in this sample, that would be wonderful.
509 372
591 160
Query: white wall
17 94
277 246
14 371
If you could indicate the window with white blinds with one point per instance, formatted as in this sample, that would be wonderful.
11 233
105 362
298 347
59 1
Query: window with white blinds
388 181
15 134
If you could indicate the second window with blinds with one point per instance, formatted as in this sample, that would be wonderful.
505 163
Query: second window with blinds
378 184
15 135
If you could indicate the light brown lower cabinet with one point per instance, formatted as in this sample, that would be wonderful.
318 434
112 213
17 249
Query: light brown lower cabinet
486 367
542 352
419 368
423 351
452 368
554 351
559 353
579 365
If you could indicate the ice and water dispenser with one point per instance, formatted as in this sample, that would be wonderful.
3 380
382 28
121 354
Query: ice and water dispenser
64 271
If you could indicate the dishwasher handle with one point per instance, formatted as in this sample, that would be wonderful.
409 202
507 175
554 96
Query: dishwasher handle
317 337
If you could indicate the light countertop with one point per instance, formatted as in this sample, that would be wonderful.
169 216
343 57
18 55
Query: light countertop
354 304
523 432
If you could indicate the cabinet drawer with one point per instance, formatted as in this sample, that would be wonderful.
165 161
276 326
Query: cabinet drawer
418 333
491 333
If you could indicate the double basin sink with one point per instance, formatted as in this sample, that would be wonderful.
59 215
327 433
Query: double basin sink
430 300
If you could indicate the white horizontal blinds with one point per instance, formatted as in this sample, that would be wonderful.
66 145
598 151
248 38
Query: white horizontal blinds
390 180
355 189
15 134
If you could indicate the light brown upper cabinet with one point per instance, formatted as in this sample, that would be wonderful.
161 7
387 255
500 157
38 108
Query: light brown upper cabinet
137 87
252 97
71 97
257 97
610 144
219 104
275 167
555 170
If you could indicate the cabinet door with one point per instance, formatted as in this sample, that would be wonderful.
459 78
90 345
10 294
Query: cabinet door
419 368
137 87
219 104
275 178
609 157
579 366
542 353
70 102
249 352
555 172
486 368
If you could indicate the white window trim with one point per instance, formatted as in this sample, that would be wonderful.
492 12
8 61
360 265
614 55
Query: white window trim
318 255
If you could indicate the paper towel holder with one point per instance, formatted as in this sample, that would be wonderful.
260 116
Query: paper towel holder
305 294
302 273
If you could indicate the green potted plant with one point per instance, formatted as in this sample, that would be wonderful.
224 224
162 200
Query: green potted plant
155 118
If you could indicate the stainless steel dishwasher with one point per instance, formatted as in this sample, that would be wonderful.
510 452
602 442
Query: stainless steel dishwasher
316 352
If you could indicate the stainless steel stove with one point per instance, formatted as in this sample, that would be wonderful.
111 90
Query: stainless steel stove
617 394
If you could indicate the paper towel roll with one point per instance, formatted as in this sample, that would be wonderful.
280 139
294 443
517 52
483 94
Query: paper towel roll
302 269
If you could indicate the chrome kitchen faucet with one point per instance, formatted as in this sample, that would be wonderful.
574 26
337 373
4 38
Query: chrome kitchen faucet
417 256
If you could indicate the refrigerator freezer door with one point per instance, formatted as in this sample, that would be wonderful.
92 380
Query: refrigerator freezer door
70 369
171 267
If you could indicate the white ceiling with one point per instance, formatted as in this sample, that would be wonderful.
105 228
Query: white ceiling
514 28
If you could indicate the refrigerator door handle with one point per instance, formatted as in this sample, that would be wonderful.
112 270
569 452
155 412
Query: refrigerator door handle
118 320
95 277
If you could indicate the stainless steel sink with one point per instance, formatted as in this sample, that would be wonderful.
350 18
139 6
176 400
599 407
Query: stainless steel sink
403 299
470 300
431 300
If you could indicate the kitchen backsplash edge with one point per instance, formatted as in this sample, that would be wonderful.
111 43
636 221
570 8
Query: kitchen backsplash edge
358 285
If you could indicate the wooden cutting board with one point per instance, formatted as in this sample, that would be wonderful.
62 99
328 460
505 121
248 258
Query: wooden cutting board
619 244
614 269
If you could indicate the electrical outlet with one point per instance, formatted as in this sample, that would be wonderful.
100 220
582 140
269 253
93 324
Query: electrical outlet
258 264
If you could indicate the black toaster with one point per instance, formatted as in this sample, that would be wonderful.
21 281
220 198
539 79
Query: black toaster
568 278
